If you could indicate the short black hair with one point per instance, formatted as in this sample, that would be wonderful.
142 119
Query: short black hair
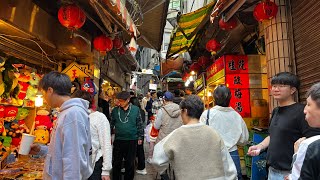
314 93
84 95
176 92
59 82
159 94
152 93
194 106
135 101
222 95
286 78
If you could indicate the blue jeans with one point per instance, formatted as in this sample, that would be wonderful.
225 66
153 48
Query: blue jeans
236 159
275 174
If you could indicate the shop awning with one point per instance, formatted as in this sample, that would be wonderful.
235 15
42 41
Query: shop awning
186 31
148 28
171 65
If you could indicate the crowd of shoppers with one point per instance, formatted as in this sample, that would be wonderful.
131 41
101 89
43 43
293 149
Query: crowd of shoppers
198 144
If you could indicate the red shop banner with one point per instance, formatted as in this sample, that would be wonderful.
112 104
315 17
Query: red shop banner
215 68
237 81
236 64
240 101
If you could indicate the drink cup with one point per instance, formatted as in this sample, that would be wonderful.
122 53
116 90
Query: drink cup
26 142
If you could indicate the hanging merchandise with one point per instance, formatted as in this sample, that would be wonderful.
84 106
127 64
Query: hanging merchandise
32 90
23 80
10 79
213 45
88 86
265 10
117 43
203 61
227 26
133 45
103 43
43 126
71 17
121 51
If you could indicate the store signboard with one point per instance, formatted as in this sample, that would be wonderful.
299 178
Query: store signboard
199 83
236 64
240 101
75 70
216 71
237 81
153 86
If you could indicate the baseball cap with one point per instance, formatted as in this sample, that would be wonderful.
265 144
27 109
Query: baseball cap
168 96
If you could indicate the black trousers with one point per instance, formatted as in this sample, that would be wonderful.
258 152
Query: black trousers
124 149
141 157
96 175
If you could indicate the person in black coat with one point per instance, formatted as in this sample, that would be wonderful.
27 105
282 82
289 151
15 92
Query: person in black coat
141 169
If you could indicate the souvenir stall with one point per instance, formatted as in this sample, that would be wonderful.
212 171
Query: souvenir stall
21 110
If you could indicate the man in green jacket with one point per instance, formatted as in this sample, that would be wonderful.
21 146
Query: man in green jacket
128 133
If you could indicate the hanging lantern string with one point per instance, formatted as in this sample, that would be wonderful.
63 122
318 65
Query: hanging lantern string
44 52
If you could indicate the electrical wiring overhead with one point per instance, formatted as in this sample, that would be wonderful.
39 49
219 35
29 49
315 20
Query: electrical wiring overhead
45 54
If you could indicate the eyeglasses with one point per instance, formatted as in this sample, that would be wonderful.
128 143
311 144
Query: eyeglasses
279 86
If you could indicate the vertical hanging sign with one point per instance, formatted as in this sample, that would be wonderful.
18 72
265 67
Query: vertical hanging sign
237 79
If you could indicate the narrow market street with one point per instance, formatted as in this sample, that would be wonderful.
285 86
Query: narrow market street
222 89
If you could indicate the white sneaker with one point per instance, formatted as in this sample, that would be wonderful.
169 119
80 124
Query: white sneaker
143 171
149 160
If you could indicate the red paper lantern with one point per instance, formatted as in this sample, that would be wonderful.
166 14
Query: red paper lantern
103 43
265 10
227 26
117 43
121 51
195 67
203 60
213 45
71 17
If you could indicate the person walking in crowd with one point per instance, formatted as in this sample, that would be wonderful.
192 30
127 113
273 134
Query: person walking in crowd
157 103
67 156
194 142
167 120
145 101
307 156
287 125
101 141
228 123
153 97
168 117
128 132
141 169
177 99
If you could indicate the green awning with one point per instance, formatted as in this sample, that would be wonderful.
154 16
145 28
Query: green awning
184 34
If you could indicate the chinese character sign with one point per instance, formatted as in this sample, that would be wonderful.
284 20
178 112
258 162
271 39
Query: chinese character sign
236 64
240 101
237 81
